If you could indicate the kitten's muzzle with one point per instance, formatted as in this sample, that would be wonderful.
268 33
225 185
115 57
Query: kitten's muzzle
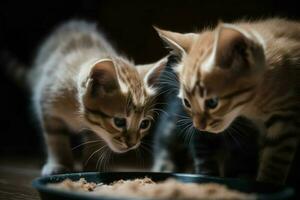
130 144
214 123
127 143
199 122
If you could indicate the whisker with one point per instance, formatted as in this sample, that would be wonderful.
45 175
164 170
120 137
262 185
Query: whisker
187 126
85 164
182 116
100 160
235 140
88 142
243 138
147 149
183 120
189 134
238 132
169 77
107 159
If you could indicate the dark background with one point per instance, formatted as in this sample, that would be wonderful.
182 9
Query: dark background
24 24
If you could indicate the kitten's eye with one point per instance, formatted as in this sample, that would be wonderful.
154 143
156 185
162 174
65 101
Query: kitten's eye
120 122
211 103
145 124
186 103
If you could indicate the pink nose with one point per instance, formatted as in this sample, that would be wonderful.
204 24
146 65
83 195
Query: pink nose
131 140
203 125
200 123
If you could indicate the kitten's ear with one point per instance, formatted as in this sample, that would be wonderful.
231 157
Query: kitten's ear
236 50
178 42
103 78
151 72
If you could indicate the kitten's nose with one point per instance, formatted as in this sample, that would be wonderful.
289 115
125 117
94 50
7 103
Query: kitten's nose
200 123
130 141
130 144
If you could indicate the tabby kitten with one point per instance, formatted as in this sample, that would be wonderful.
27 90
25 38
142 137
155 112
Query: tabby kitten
179 147
79 82
246 69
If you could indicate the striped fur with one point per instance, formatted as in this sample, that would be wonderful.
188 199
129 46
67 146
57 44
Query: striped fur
79 82
252 69
204 153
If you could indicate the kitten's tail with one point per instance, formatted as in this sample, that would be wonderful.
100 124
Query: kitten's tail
14 69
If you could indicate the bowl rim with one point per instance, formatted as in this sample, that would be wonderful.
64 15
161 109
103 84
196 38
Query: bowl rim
40 184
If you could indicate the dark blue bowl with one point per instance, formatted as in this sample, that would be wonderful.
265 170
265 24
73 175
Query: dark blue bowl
263 191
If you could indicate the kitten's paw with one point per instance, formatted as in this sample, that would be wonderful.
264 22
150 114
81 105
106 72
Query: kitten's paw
54 168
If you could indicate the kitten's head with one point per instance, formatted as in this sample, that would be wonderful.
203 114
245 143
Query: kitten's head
117 101
218 72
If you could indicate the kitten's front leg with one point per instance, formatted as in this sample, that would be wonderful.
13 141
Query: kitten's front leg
59 154
278 150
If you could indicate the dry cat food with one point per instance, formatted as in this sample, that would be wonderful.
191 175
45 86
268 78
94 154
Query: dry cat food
146 188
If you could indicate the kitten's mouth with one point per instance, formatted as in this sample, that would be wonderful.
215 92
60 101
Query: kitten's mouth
213 126
119 147
115 145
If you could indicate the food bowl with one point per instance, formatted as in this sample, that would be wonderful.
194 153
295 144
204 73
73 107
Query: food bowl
262 190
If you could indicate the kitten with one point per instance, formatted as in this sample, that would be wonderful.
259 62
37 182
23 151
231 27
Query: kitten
246 69
178 147
78 82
